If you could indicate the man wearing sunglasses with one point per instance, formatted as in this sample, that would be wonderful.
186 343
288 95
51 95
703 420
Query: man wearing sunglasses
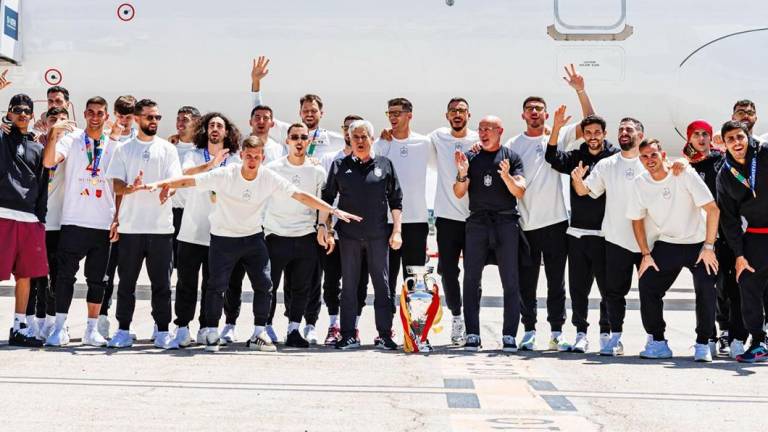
87 215
23 196
321 141
291 233
451 211
411 155
543 216
146 229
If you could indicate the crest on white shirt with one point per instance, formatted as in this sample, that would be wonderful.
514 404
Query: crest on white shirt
666 193
487 180
296 179
404 151
377 172
145 155
629 174
247 195
457 146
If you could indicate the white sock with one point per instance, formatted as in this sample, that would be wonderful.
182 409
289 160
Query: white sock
357 322
458 318
334 320
293 326
50 320
61 318
258 329
92 322
18 320
31 319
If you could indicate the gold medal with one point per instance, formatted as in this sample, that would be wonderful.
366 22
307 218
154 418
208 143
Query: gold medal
213 197
50 187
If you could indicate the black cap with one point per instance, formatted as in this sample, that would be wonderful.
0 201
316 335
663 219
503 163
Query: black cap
21 99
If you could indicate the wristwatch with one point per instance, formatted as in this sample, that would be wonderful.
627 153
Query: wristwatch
460 179
318 226
708 246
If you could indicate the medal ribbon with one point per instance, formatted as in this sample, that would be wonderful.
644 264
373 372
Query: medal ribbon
93 152
312 145
207 157
750 182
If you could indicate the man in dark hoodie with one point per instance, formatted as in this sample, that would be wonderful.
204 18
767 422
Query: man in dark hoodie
23 202
742 192
707 163
586 244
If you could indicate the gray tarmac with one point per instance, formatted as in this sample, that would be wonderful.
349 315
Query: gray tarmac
322 389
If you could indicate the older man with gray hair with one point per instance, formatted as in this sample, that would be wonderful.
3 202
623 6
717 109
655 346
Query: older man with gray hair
366 185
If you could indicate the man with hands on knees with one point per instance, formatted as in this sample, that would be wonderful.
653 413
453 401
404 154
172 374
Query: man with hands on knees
674 204
242 189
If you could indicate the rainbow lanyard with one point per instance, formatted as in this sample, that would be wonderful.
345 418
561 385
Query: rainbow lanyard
750 182
93 151
313 144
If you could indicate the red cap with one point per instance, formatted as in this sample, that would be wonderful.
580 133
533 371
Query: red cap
698 124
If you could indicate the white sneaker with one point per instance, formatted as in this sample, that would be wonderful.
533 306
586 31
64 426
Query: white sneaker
712 348
658 350
737 348
103 326
310 334
458 331
59 337
164 340
92 337
261 342
154 333
212 340
200 339
46 329
604 339
613 347
702 353
581 344
183 339
227 335
121 339
557 343
271 333
529 341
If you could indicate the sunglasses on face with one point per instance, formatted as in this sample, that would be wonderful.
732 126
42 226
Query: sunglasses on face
151 117
303 137
394 114
457 111
21 110
537 108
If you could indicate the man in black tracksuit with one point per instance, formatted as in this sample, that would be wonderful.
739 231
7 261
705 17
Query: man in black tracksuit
707 163
742 192
586 244
367 186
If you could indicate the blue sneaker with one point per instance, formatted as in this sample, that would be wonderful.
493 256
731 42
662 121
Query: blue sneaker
754 354
656 350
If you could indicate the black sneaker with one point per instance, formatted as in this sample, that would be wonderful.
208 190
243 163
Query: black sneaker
18 338
473 343
295 340
347 343
386 342
723 345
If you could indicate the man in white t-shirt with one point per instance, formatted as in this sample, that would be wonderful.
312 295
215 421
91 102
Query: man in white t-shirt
262 121
123 124
187 119
614 176
322 141
217 145
411 155
674 204
291 233
87 214
236 233
451 212
41 308
543 216
146 229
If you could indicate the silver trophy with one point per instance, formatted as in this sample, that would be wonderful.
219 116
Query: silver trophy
420 295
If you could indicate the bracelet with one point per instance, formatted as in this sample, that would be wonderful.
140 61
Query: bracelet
708 246
461 179
321 225
646 254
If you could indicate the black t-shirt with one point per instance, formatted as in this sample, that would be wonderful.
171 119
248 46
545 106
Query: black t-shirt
708 169
487 191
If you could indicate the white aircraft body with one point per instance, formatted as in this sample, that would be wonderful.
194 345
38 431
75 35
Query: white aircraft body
663 62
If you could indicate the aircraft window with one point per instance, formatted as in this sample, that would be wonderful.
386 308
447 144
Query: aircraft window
584 20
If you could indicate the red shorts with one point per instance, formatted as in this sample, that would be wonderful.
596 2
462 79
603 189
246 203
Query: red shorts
23 249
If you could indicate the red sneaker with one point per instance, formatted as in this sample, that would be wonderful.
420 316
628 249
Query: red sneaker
334 335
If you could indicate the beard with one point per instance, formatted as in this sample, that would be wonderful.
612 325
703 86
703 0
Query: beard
627 146
148 131
458 127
